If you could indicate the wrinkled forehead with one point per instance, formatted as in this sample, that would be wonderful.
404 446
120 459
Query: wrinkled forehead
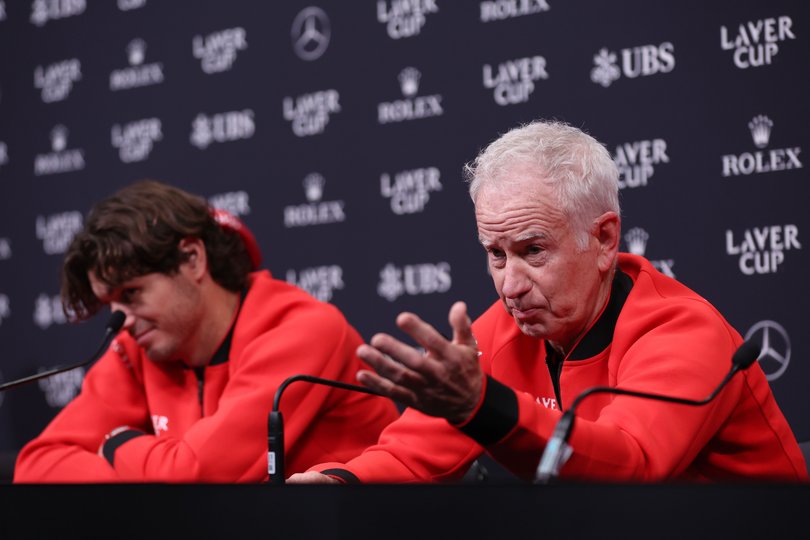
519 189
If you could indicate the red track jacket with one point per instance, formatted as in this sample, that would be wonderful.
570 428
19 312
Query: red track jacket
655 335
211 426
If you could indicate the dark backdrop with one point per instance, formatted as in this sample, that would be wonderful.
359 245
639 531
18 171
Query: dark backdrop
338 131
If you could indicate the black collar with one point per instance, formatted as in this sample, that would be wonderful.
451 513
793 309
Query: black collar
600 336
223 353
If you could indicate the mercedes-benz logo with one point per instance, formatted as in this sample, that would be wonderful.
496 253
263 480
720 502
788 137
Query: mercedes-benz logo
775 355
310 33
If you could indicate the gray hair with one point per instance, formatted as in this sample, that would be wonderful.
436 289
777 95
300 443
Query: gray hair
576 166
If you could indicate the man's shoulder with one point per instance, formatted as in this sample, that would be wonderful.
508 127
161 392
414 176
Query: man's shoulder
657 299
270 301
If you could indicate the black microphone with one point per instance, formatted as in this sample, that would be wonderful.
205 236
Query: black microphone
558 451
114 324
275 423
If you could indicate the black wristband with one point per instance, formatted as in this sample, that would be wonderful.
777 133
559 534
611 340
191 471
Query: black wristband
112 444
496 417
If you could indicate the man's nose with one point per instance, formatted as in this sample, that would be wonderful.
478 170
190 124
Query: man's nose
516 281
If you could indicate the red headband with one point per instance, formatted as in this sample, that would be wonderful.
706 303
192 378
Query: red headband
230 222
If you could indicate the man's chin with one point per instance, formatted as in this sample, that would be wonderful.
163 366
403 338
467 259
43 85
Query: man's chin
532 329
159 355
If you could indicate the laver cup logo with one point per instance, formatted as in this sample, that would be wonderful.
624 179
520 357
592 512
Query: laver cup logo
756 43
319 281
409 191
761 250
513 81
309 113
56 80
135 140
217 51
636 161
404 18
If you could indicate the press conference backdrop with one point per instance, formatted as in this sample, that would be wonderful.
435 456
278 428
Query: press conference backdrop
338 132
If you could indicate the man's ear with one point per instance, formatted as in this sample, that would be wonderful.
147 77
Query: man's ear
606 230
196 262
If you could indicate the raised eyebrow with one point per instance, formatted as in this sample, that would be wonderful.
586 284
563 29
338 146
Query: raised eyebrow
525 237
530 236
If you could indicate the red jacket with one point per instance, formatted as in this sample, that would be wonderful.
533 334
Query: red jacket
655 335
212 426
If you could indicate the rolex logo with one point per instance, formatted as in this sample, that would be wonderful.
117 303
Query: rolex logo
409 81
313 186
760 128
636 239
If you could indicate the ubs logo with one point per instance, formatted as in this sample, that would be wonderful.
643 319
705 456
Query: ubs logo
414 279
310 33
639 61
775 354
405 18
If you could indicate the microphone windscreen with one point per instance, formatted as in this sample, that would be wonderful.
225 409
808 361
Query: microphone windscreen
746 355
116 321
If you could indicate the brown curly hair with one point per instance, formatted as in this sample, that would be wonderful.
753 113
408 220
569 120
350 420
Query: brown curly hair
137 231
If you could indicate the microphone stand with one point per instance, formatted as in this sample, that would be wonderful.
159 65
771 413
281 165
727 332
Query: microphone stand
275 422
558 450
114 324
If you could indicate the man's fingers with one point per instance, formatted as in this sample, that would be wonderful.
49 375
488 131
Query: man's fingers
462 325
387 360
405 358
311 477
386 387
424 334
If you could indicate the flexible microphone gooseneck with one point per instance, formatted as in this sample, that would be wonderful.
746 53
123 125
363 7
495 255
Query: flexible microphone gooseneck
558 451
114 324
275 422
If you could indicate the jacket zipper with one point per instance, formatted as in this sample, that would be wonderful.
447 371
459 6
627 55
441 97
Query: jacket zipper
200 373
554 364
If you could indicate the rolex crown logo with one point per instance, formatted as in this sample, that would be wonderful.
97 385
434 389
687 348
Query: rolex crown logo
313 186
409 81
136 52
760 127
59 135
636 239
